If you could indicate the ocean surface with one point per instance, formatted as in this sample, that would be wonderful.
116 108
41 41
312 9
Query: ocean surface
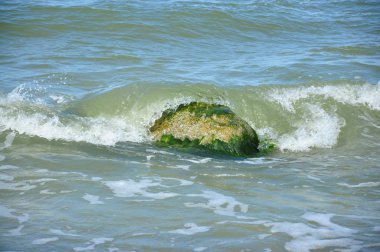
82 81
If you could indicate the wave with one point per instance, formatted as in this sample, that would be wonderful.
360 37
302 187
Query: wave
295 117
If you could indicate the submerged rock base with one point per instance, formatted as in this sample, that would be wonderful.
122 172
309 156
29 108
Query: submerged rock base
209 126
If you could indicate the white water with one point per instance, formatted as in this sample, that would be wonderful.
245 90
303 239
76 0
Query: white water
315 126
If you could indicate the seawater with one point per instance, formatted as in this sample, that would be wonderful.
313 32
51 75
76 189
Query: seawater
82 81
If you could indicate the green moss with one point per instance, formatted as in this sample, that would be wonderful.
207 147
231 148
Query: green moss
238 146
170 140
206 109
242 144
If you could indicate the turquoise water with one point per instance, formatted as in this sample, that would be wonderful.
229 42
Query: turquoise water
82 81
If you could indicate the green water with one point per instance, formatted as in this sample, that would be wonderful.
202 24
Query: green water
81 82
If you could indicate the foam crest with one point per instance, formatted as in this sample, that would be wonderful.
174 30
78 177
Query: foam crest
99 130
366 94
317 129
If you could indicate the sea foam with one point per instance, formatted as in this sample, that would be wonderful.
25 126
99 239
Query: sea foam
308 237
317 129
219 203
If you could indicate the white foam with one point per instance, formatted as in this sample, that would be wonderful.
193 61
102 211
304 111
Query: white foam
263 236
60 99
159 152
95 241
225 175
6 177
101 240
90 247
8 167
199 161
183 167
219 203
44 240
47 192
8 140
132 188
7 213
48 125
18 186
93 199
317 129
200 249
365 184
258 161
308 237
60 232
365 94
190 229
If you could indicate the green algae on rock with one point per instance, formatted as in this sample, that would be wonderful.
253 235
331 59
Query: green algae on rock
202 125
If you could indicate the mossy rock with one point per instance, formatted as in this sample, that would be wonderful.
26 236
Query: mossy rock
209 126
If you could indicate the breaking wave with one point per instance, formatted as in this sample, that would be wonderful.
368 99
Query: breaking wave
296 118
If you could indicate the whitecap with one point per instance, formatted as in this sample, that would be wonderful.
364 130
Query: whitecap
366 94
317 129
103 131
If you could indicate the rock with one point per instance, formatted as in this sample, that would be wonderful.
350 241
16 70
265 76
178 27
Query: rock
202 125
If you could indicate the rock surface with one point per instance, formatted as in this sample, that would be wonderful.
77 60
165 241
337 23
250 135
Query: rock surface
202 125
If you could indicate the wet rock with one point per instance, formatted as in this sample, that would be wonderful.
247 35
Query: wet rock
210 126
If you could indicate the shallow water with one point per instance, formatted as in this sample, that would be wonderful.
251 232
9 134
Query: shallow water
81 82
